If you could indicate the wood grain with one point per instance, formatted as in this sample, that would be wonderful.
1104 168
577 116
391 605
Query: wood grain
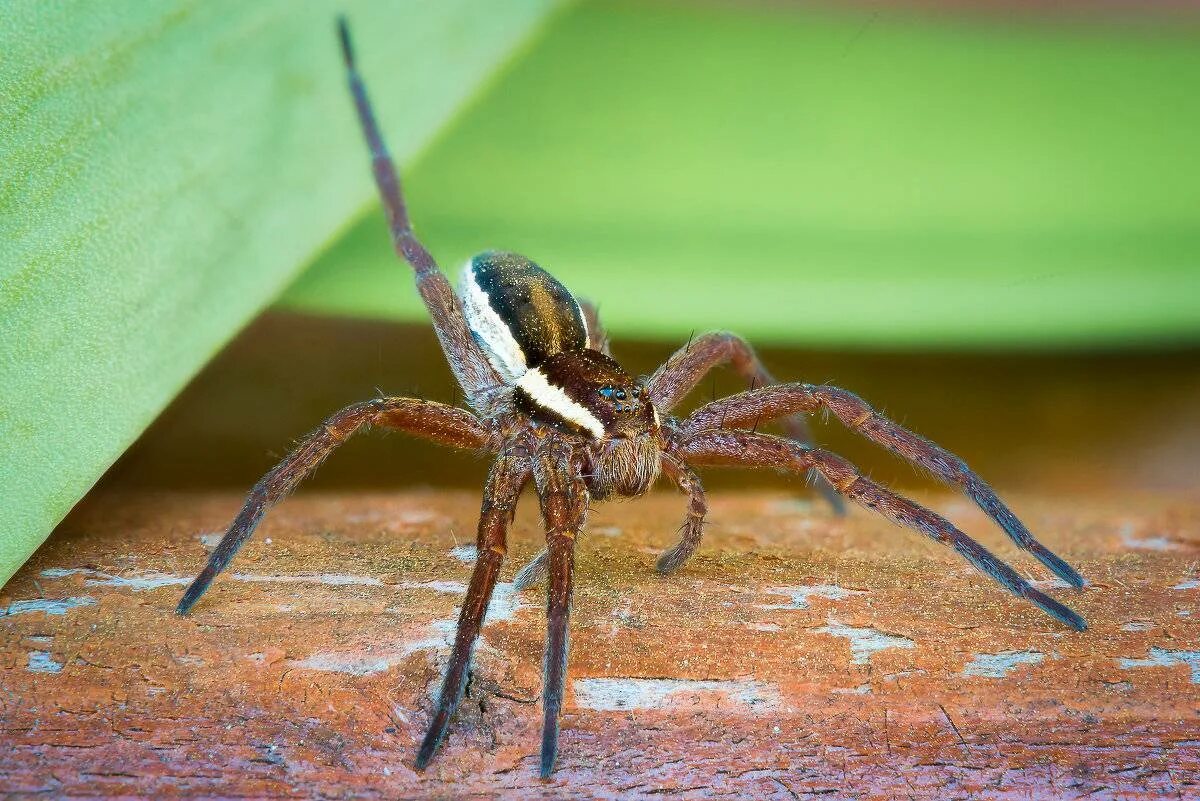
309 671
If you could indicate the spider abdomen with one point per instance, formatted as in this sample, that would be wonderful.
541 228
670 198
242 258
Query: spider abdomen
518 313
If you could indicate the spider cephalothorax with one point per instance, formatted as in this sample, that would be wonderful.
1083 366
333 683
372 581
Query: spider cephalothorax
558 411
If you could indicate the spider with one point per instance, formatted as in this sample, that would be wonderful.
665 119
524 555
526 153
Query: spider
557 410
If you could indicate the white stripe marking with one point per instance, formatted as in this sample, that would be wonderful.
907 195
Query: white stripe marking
500 346
555 401
587 335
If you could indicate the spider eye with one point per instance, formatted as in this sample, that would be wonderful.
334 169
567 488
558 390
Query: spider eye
606 391
621 394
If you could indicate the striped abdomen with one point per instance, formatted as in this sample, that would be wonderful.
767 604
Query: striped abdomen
519 314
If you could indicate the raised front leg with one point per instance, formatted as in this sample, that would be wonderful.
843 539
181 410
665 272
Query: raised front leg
435 421
680 374
471 368
787 399
508 475
746 449
564 500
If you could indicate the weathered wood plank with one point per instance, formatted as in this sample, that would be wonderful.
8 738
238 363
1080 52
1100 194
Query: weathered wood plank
752 673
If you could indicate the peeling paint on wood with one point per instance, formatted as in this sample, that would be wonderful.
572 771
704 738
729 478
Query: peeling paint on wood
308 672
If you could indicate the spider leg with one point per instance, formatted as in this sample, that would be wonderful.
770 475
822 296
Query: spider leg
533 573
471 368
435 421
564 500
507 477
672 559
858 416
597 336
680 374
688 482
743 448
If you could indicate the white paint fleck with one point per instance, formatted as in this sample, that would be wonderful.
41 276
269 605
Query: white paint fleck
448 587
405 517
800 595
997 666
415 517
42 662
622 616
440 633
1164 657
1190 584
155 580
40 640
764 626
1137 625
1183 613
862 689
332 579
465 553
506 600
211 539
51 606
1050 584
607 531
1155 543
145 581
864 642
61 572
137 583
354 664
613 694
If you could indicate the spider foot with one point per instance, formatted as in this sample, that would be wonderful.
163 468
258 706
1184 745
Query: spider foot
1057 566
673 558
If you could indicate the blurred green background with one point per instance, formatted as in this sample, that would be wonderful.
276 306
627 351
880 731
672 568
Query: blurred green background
988 218
820 176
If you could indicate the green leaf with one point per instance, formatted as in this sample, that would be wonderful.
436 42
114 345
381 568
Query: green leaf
165 169
885 179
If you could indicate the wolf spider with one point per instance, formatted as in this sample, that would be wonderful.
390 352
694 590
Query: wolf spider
555 408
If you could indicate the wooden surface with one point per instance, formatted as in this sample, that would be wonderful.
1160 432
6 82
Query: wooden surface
751 674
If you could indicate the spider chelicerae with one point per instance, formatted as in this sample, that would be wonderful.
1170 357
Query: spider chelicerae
554 407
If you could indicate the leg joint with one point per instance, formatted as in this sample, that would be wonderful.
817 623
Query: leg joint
844 485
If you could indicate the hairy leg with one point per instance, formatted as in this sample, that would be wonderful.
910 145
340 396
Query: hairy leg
597 336
564 500
435 421
787 399
688 482
680 374
533 573
471 368
508 475
743 448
